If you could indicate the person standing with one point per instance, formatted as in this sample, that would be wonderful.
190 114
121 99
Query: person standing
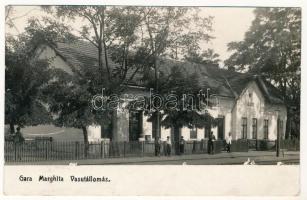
18 140
181 145
210 143
168 146
157 146
228 141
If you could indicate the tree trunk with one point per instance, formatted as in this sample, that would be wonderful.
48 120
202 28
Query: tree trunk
157 121
100 64
12 128
157 113
86 144
288 128
156 127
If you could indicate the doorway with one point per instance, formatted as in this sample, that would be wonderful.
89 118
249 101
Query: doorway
135 125
221 127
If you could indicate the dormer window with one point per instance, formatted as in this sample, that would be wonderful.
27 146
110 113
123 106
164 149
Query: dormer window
250 99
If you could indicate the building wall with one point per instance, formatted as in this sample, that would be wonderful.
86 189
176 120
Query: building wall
94 133
45 52
272 113
251 104
223 107
147 127
120 125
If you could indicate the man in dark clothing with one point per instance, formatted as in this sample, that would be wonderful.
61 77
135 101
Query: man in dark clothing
181 145
210 143
168 146
18 138
228 141
157 146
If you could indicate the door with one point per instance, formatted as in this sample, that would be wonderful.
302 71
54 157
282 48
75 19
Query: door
135 125
221 128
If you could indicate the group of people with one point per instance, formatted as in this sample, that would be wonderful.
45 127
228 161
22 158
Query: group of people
212 138
168 146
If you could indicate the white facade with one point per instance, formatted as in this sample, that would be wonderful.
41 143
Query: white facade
45 52
250 104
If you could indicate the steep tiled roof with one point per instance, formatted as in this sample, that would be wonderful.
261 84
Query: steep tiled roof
81 53
223 82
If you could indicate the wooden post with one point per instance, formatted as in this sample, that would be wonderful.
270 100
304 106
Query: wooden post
15 151
143 144
101 149
124 148
76 150
278 140
46 150
278 136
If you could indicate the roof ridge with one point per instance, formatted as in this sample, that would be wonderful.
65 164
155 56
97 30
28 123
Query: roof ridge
234 92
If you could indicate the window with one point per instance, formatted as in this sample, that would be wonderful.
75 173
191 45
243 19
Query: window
250 100
244 128
193 133
207 132
254 128
266 129
135 125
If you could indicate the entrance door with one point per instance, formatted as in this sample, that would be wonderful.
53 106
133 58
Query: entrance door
135 125
221 127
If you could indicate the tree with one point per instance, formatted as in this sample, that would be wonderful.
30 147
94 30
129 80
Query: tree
112 31
26 77
207 57
172 32
134 37
23 82
272 49
184 103
10 18
70 101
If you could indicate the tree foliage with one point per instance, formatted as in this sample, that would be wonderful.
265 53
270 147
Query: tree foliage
272 48
189 106
26 77
184 102
112 31
134 37
207 57
170 32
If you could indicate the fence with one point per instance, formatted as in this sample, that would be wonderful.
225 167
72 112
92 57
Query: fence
291 145
239 146
270 145
42 150
265 145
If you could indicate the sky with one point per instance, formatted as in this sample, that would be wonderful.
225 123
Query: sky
229 24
